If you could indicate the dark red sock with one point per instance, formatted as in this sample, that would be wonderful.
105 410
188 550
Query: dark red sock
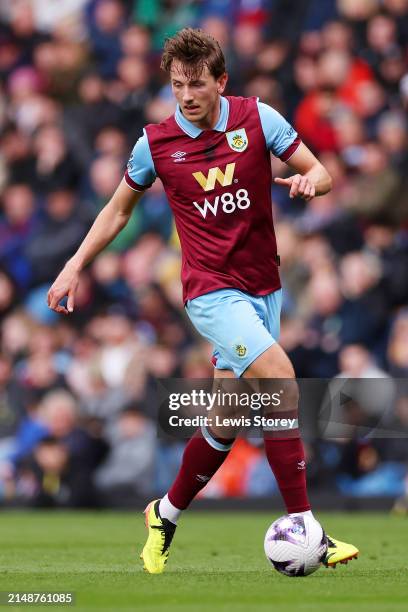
199 464
287 460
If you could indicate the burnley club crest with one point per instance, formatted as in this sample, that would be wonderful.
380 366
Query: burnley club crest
237 140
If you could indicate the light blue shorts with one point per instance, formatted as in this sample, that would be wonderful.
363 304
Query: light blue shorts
239 325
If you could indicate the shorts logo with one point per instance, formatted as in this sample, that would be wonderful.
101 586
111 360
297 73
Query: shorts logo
214 175
237 140
240 350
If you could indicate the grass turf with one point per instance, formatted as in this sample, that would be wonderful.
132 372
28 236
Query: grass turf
216 563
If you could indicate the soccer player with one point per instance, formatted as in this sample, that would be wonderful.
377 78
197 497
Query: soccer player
213 157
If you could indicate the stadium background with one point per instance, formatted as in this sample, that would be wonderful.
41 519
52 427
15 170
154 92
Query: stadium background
79 79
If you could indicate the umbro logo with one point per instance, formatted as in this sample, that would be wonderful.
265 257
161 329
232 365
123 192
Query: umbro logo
202 478
179 156
301 465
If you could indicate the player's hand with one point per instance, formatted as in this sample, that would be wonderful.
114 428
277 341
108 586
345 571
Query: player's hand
300 186
65 285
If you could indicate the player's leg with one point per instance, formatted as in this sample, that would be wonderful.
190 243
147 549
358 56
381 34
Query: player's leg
228 320
284 448
274 371
205 452
203 455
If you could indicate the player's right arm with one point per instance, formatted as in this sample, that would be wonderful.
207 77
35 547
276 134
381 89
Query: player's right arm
139 176
107 225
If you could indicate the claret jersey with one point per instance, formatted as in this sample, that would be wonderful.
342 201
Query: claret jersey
218 183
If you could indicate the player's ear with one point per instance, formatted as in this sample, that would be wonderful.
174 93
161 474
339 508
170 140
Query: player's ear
222 83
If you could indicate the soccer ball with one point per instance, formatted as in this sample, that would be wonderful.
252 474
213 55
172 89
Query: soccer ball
295 545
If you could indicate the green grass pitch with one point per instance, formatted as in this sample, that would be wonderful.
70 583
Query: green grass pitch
216 563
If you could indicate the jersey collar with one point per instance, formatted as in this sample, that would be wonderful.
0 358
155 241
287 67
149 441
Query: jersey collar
193 131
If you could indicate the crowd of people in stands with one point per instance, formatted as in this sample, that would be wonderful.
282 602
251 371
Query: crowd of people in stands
78 81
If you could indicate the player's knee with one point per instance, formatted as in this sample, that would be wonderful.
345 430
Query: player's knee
273 363
288 395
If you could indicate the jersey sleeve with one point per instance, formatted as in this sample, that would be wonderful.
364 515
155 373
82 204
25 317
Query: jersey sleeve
140 173
281 138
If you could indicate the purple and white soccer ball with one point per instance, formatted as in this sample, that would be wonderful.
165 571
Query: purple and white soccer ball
295 546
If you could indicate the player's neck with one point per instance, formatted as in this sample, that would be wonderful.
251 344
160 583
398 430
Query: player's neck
210 121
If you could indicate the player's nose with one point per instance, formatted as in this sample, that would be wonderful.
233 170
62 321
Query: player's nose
187 96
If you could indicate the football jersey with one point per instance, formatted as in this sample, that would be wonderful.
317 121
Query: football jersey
218 184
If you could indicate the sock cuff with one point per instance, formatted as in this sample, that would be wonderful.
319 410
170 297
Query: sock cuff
214 443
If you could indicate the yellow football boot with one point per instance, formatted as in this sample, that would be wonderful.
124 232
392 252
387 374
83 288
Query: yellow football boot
339 552
160 534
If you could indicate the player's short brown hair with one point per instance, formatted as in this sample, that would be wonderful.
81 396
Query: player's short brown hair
195 49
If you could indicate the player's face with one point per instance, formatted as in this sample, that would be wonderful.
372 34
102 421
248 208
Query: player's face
198 97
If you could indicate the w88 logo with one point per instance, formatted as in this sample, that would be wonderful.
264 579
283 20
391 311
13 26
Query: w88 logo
227 202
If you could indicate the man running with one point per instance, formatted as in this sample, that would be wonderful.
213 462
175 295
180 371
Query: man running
213 157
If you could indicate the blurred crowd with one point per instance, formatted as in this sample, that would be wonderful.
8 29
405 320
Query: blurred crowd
78 81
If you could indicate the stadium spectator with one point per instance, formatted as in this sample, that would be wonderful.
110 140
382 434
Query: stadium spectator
129 469
19 222
60 468
86 118
60 231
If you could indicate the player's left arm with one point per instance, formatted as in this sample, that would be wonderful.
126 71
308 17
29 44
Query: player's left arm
311 178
